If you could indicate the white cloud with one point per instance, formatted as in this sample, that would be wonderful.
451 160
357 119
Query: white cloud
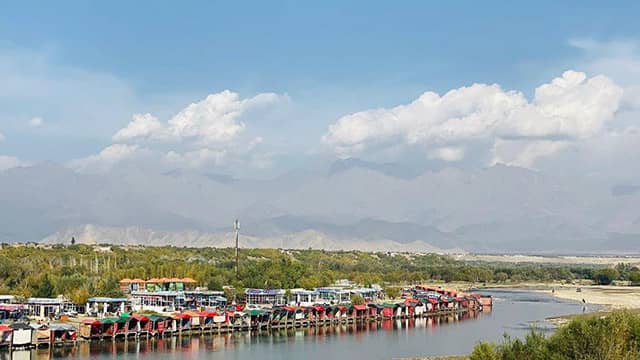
569 108
143 126
205 133
1 137
36 122
212 121
524 153
447 153
109 157
198 158
8 162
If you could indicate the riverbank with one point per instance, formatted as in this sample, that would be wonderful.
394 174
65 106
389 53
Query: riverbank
611 297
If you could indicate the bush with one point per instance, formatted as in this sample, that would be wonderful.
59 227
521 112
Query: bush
484 351
614 337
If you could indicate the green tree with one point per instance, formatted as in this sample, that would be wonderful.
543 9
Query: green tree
501 276
634 277
357 300
45 288
605 276
214 283
393 292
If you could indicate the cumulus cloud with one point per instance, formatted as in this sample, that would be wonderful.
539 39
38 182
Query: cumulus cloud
205 133
211 121
36 122
569 108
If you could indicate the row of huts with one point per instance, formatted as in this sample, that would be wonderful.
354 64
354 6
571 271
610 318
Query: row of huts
168 312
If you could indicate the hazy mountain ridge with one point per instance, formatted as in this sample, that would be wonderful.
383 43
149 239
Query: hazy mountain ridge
499 208
307 239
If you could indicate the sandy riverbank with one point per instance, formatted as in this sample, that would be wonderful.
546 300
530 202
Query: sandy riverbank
612 297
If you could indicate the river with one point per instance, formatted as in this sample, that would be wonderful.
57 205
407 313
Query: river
514 312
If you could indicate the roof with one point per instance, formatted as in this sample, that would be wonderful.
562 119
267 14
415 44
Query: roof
50 301
5 328
360 307
62 327
264 292
20 326
125 281
107 300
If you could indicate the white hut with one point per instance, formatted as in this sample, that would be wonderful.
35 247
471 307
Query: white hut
22 335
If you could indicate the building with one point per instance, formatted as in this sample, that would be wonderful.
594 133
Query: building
334 295
129 285
205 300
105 305
7 299
44 307
368 294
265 296
303 297
169 284
159 301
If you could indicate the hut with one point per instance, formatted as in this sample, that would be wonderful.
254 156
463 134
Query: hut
63 334
320 312
182 322
6 336
22 335
388 310
138 325
360 312
41 335
374 310
90 329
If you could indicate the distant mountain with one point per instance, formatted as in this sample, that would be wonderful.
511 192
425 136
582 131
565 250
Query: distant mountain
496 209
308 239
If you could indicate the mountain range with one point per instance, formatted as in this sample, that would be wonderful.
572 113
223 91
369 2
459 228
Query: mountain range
349 204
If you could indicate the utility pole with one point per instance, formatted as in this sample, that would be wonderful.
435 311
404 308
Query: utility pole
236 228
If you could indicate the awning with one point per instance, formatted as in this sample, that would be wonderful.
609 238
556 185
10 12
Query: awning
255 312
360 307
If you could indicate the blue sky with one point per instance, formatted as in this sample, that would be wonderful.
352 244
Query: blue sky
329 58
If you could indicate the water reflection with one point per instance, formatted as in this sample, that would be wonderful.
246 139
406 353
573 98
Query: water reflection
195 344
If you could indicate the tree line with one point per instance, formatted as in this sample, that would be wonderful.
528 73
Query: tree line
80 271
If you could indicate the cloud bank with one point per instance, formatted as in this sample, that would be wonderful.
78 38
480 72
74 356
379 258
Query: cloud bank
570 108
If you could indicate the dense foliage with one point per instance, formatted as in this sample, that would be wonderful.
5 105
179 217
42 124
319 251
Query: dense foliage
78 271
614 337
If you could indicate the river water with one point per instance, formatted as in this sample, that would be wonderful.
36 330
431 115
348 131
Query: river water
514 312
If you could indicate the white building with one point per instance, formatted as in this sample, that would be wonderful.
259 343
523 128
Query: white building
44 307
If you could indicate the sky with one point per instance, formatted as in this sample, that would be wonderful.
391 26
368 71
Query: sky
258 88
